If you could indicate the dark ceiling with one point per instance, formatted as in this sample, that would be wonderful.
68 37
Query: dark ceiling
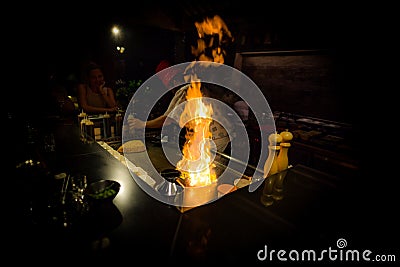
239 15
294 24
59 36
70 34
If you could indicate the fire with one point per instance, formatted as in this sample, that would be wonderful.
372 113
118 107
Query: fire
213 27
196 166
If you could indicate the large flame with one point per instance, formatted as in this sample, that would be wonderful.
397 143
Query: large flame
218 32
196 166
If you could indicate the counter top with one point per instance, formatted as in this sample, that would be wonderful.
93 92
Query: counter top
316 210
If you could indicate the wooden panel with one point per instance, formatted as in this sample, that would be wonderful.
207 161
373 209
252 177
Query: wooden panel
302 81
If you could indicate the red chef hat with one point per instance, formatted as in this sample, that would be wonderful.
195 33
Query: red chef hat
166 76
163 65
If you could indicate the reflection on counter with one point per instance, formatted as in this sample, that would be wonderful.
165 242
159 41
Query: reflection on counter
273 188
140 172
151 166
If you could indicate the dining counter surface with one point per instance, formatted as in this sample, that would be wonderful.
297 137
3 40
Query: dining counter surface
316 211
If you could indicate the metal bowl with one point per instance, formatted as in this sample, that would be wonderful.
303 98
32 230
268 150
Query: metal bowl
103 190
168 187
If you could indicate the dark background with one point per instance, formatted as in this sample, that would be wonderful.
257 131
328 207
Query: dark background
62 37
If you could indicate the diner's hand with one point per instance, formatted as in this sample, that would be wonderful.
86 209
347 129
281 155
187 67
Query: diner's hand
135 123
103 89
114 109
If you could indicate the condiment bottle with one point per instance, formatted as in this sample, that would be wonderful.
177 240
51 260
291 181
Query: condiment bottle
106 126
283 160
81 116
271 164
283 164
89 125
118 124
83 129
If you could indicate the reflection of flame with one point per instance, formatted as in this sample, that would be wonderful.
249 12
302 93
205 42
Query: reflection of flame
197 166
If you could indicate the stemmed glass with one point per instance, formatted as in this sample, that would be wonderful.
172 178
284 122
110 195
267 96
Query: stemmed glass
78 186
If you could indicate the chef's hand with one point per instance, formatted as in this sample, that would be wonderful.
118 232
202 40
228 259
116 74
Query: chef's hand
135 123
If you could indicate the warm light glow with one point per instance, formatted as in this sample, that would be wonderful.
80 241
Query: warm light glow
211 27
121 49
115 30
196 166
